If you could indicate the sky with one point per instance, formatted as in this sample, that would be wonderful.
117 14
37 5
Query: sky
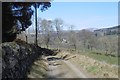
83 14
86 0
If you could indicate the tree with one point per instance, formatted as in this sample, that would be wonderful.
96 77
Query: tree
73 37
88 39
36 30
18 11
58 23
108 45
46 27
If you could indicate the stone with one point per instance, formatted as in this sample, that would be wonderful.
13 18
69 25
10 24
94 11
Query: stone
17 60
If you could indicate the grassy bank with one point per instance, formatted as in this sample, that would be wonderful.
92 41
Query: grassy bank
102 57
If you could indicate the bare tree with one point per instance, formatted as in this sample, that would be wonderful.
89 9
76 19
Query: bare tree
58 23
88 39
108 44
39 24
46 27
73 37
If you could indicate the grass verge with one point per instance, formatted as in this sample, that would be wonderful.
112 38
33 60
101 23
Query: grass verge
103 58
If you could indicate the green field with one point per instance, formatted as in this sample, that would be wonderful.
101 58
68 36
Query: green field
107 59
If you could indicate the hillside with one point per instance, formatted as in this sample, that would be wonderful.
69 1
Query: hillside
107 31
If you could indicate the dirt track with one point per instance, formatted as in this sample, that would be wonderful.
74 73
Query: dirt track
64 69
72 66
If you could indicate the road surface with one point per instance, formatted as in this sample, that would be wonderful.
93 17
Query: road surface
64 69
56 68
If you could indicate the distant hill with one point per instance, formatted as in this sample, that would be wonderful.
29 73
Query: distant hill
91 29
98 32
107 31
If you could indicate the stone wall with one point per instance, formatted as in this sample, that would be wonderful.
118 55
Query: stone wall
17 58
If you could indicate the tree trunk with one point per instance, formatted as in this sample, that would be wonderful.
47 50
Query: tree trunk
26 39
36 34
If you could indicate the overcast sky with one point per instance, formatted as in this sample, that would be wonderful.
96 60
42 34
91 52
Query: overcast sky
84 14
